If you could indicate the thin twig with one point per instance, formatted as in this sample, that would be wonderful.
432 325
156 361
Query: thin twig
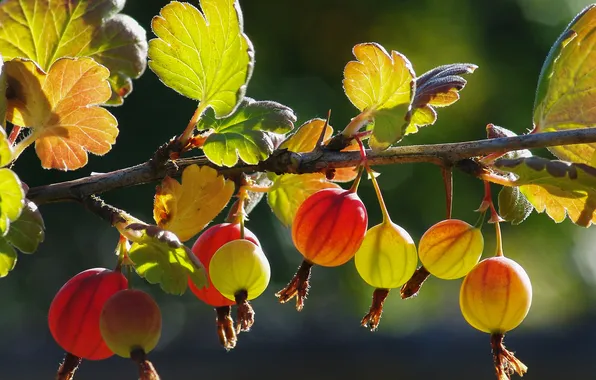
289 162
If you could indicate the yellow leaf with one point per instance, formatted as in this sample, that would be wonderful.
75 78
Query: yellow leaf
290 190
62 109
186 208
306 137
380 85
378 80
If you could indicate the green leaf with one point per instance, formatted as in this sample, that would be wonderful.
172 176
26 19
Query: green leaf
3 101
514 207
557 187
388 127
567 87
8 257
204 56
381 85
11 198
5 147
244 134
290 190
27 231
47 30
160 257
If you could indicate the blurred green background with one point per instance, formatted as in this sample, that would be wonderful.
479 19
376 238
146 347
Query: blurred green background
301 49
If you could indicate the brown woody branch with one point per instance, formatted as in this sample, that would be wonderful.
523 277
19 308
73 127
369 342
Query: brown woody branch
316 161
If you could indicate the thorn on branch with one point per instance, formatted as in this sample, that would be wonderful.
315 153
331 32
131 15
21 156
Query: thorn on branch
168 151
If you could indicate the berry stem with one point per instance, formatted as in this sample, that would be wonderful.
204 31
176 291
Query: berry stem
225 329
298 286
447 174
245 314
373 318
499 240
371 174
146 369
356 182
505 362
68 367
412 287
187 134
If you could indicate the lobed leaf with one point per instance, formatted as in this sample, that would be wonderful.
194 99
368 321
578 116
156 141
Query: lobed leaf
382 85
438 87
557 187
289 191
514 207
305 140
8 257
204 56
567 87
61 107
306 136
28 230
3 100
186 208
244 134
12 198
160 258
47 30
5 148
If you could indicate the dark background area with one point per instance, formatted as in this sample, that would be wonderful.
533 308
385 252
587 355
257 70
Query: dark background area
301 49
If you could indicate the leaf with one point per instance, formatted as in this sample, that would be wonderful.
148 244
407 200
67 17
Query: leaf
514 207
5 148
305 140
567 87
8 257
47 30
382 85
306 136
244 133
3 100
11 199
160 258
185 209
557 187
27 231
204 56
290 190
61 108
438 87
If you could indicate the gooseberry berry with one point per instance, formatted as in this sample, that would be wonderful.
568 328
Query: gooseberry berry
240 271
204 249
495 297
450 248
329 226
385 260
387 257
327 230
240 265
74 313
130 320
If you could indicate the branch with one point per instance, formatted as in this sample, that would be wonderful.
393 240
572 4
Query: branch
319 160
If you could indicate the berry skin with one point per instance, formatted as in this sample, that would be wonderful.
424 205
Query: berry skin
450 248
75 311
130 320
387 257
329 227
204 249
496 295
240 265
